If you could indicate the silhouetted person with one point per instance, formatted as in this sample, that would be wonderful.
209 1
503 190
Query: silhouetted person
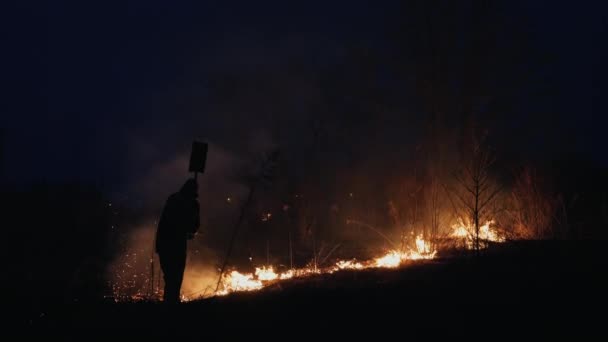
178 223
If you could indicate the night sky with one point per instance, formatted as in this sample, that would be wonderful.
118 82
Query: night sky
114 93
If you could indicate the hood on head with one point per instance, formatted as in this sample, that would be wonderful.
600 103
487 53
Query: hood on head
190 188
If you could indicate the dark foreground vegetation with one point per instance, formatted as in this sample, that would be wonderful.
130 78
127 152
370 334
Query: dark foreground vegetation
520 288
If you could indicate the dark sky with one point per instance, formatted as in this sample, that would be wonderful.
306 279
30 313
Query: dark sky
108 92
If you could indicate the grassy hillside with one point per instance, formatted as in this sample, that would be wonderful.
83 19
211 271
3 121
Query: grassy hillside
539 287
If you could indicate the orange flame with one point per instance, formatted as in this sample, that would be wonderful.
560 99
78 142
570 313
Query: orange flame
466 232
263 276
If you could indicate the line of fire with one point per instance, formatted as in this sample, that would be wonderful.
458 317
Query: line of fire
430 215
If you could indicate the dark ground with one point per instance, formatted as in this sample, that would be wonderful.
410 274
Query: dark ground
517 289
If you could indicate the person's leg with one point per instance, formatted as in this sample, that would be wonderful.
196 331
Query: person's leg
180 265
167 264
173 265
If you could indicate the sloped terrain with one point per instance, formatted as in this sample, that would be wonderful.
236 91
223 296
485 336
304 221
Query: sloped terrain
516 288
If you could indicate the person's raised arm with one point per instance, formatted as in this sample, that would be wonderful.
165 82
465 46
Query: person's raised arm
196 219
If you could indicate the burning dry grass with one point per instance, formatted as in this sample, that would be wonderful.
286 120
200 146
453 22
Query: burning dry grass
465 232
234 281
422 250
263 276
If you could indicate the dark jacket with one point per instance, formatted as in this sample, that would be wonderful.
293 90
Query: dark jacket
179 221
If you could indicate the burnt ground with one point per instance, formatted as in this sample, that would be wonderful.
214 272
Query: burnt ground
515 289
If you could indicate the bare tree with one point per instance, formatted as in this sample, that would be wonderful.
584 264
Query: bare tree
475 189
